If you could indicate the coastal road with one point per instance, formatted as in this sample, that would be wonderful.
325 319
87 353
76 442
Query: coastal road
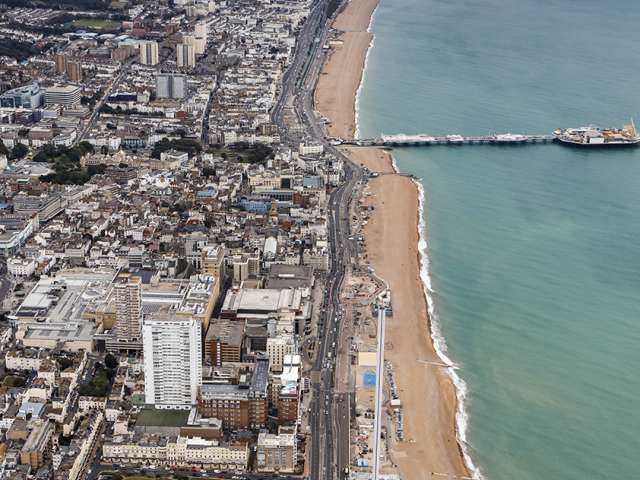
293 75
330 410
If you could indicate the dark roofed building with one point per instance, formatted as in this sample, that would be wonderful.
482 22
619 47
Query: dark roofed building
290 276
223 342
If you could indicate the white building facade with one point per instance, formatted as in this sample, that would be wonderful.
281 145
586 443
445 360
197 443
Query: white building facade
172 348
19 267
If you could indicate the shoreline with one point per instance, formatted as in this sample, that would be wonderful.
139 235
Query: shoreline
356 103
342 75
439 342
447 420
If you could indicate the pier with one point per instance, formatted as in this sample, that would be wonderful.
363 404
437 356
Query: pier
402 140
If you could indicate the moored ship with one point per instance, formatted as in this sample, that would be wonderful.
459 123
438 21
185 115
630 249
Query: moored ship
599 137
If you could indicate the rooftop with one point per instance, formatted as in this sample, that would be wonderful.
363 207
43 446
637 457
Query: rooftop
247 300
226 331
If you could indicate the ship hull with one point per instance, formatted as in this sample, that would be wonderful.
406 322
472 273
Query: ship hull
598 145
596 137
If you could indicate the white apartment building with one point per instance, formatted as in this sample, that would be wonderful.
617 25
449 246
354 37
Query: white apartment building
149 53
85 457
23 360
264 181
206 452
172 348
198 44
185 55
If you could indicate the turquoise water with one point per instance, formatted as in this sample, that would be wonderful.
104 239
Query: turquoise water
534 250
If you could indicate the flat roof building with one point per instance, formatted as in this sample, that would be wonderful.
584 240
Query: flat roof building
61 309
224 340
66 95
149 53
276 453
244 302
290 276
240 406
38 444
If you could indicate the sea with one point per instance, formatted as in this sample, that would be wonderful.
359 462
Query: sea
533 250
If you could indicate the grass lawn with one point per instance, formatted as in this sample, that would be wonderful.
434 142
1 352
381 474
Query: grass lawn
97 23
162 418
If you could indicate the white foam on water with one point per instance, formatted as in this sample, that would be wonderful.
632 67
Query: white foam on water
394 165
356 134
439 342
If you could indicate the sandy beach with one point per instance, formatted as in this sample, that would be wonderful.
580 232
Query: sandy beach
337 87
427 392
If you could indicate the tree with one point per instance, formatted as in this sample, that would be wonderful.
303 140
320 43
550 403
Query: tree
66 164
96 169
251 153
111 361
85 147
64 362
107 109
13 381
19 151
99 385
3 149
17 49
190 146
